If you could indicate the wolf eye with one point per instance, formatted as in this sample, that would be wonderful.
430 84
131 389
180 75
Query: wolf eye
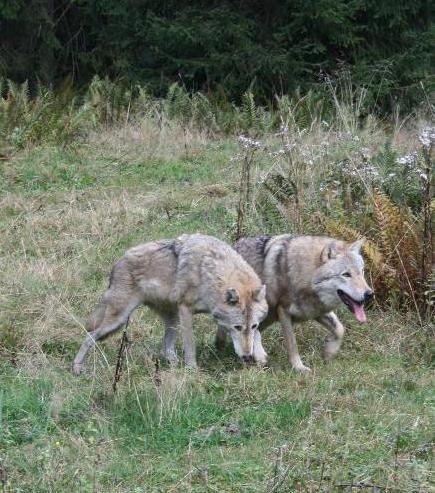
238 327
346 274
254 326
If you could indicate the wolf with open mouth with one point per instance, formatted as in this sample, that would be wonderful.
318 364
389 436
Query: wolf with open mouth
306 278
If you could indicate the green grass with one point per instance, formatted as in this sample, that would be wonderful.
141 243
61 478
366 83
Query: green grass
65 216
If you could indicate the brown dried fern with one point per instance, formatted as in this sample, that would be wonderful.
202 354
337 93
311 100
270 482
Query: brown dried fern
400 241
388 219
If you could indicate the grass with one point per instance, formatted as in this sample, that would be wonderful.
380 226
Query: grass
66 214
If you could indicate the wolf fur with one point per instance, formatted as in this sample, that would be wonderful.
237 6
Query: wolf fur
178 278
306 278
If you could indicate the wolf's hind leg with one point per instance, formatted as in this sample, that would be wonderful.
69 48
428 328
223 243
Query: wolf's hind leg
290 340
186 323
170 337
117 310
335 338
221 338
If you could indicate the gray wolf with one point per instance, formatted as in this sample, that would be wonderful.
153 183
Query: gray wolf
178 278
307 277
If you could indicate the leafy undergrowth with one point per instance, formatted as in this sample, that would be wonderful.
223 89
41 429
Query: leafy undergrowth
65 217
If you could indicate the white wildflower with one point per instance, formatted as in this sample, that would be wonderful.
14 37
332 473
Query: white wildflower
423 176
289 147
371 170
408 159
365 152
248 143
427 136
279 152
263 177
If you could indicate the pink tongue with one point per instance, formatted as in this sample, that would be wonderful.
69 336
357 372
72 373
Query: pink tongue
358 311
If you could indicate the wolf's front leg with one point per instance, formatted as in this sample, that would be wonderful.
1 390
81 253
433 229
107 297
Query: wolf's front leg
260 355
290 340
335 338
186 323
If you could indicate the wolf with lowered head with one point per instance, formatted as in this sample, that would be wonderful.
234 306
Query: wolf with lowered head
178 278
306 278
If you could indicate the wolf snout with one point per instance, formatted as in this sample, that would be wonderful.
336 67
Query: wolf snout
368 295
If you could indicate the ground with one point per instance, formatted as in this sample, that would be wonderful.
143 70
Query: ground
364 420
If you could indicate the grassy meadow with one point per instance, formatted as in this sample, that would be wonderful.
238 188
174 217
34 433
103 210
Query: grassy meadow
363 422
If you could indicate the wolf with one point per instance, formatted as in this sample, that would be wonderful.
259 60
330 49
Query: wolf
306 278
178 278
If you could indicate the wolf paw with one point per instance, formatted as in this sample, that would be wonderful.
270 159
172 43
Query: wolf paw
301 368
330 351
328 355
261 363
171 357
77 368
261 359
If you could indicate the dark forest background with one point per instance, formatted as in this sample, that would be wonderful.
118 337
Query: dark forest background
223 48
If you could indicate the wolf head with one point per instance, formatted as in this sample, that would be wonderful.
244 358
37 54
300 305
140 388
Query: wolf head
340 278
241 312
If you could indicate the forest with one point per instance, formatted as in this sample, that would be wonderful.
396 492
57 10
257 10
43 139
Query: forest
223 48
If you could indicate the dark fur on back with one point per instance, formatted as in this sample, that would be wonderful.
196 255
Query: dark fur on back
256 248
261 244
171 246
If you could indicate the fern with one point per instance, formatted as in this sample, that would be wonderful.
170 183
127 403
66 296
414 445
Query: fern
109 100
283 111
393 250
388 218
249 113
202 113
178 104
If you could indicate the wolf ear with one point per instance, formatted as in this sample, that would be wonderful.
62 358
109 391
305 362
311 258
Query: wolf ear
356 246
329 252
232 296
259 293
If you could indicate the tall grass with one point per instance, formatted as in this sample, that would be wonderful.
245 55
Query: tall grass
319 163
